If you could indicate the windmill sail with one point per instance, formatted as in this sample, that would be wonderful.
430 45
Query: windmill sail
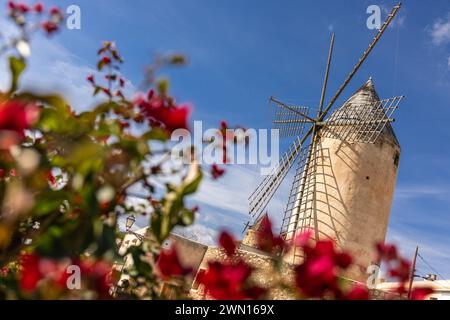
259 199
299 208
289 120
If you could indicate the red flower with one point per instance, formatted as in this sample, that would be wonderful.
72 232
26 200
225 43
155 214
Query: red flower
98 273
17 116
38 7
317 275
228 243
216 171
91 79
161 111
30 274
11 5
22 7
358 292
106 60
226 281
421 293
174 118
400 270
54 11
169 264
51 178
50 27
266 239
386 252
107 92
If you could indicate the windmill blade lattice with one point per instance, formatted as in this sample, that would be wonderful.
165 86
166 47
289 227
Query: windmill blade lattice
361 123
301 197
289 120
259 199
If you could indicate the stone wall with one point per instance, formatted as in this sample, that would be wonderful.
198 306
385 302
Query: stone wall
263 275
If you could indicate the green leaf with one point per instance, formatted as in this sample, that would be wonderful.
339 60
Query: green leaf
187 217
157 134
192 181
163 86
100 65
16 67
177 59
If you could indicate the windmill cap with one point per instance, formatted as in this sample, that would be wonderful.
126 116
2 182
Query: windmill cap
366 94
363 105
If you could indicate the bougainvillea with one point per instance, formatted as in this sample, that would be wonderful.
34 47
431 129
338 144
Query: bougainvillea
65 180
65 176
229 279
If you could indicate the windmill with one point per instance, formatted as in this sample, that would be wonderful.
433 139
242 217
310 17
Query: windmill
360 125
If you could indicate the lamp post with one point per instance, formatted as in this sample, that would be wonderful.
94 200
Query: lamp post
131 219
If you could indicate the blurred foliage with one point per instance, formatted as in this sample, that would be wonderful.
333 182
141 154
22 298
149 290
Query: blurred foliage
65 178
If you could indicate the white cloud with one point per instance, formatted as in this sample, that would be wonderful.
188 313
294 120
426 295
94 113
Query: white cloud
432 248
419 191
440 31
53 68
199 233
232 191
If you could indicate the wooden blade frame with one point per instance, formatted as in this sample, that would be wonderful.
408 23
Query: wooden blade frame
259 199
290 120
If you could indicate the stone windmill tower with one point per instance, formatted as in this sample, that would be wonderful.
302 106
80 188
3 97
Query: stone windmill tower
346 168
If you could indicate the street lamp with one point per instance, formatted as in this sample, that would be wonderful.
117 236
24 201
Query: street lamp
131 219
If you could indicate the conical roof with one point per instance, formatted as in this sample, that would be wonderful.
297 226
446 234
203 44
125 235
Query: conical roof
363 105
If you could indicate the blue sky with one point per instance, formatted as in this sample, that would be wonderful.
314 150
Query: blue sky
242 52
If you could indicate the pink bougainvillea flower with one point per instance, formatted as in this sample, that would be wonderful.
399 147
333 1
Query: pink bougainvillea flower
30 274
301 239
357 292
106 60
22 7
161 112
12 5
91 79
169 264
228 243
421 293
386 252
49 27
216 171
174 118
228 281
317 276
17 116
400 270
35 269
99 275
38 7
55 11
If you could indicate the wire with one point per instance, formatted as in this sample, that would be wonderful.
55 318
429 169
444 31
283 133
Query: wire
435 271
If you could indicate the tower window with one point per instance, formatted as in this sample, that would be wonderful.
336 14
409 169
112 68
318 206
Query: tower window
396 159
